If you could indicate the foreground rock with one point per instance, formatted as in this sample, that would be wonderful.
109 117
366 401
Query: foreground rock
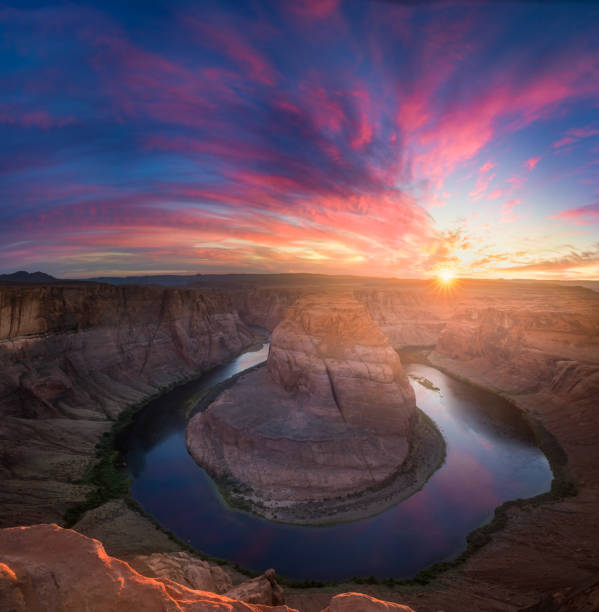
185 569
45 568
358 602
261 590
72 357
331 417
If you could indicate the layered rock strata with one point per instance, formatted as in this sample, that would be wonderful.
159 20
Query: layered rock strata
332 415
72 357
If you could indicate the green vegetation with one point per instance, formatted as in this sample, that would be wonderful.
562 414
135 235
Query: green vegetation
106 476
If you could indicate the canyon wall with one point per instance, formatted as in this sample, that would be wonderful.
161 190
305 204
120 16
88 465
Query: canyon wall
72 357
409 314
526 349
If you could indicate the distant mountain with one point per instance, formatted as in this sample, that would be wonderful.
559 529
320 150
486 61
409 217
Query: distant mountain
237 280
27 277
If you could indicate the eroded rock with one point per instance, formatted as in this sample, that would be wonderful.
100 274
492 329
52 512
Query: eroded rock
46 568
185 569
261 590
330 417
358 602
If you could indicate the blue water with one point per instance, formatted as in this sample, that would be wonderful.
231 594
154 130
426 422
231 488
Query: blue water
491 458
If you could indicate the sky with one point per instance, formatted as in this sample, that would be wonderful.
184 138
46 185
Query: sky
360 137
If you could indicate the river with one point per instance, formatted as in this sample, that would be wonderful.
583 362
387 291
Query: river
491 458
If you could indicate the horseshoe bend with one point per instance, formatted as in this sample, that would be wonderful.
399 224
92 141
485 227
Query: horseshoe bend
299 306
328 430
328 426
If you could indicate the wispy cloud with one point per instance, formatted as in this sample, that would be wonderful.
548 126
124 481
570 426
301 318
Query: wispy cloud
575 135
574 260
581 215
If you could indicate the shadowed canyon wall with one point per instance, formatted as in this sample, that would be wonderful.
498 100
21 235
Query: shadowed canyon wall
72 358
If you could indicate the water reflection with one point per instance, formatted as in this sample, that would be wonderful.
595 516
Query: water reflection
491 457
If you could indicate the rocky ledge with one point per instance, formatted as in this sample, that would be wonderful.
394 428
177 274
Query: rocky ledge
328 430
50 569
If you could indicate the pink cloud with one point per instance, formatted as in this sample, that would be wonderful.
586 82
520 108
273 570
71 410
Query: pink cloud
575 135
581 215
325 106
508 207
558 265
516 181
481 185
39 118
487 166
532 162
231 43
496 194
507 211
502 106
314 9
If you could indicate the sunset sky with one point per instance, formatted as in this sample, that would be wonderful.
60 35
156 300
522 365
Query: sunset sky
361 137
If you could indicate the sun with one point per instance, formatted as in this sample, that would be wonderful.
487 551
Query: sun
446 277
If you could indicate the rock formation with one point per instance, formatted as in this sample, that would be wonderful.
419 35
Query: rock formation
189 571
48 569
359 602
329 348
44 568
331 416
524 351
185 569
72 357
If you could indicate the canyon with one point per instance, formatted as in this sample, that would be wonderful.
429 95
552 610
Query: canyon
329 430
74 356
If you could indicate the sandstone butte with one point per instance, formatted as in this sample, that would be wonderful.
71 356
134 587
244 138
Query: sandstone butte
333 414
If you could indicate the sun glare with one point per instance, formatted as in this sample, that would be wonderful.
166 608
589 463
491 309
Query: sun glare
446 277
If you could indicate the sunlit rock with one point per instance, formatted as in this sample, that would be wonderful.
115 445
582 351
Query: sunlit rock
358 602
46 568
